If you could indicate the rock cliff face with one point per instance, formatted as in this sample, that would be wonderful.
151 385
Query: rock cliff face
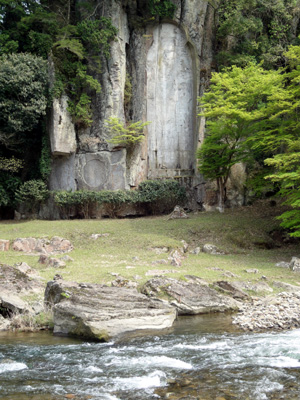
168 64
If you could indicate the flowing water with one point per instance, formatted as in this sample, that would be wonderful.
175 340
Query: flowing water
203 355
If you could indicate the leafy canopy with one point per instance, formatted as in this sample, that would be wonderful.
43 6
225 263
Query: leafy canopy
23 96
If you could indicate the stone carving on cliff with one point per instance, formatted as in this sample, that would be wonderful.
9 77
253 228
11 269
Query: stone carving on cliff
163 61
170 103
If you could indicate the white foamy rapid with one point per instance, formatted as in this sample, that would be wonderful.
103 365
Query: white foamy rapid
12 366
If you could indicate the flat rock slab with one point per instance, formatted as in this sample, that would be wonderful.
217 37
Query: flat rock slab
189 297
98 312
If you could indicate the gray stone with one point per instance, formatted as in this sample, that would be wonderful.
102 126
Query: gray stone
230 288
176 258
171 95
4 324
191 297
99 312
286 286
283 264
95 171
4 245
196 250
62 131
62 175
256 287
295 264
13 303
211 249
56 263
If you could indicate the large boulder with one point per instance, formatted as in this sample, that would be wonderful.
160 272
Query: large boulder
99 312
192 296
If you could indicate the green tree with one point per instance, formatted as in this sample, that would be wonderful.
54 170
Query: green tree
236 102
23 96
284 143
255 30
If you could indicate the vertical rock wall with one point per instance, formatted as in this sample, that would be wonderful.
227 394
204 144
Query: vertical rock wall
169 63
171 93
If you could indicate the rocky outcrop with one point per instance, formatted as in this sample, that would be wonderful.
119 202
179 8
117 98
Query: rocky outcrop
166 64
99 312
16 283
189 297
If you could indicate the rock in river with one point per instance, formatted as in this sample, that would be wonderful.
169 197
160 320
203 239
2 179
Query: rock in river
192 296
99 312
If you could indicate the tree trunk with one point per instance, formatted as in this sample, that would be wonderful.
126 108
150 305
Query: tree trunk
221 194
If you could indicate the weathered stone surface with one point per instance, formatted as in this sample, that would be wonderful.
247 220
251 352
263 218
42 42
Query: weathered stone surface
295 264
287 287
191 297
62 131
170 103
4 323
178 213
13 280
229 288
4 245
281 312
14 284
211 249
45 246
11 302
62 175
99 312
257 287
176 257
102 170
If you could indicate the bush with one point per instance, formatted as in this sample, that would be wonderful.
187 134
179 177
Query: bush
158 196
32 193
161 195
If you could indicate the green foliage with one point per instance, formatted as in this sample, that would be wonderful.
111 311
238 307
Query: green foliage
161 8
238 99
32 193
23 96
160 196
250 30
127 92
77 54
45 159
9 183
81 111
125 135
11 164
4 197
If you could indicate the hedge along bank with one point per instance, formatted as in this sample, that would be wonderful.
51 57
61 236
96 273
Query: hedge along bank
152 197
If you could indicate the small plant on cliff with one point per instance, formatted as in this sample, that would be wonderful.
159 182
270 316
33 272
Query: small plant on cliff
162 8
126 135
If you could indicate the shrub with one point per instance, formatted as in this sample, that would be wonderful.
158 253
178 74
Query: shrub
32 193
125 135
159 196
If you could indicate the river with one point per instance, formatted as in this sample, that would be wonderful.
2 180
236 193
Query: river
199 358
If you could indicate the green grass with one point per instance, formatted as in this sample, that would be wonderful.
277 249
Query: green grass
244 234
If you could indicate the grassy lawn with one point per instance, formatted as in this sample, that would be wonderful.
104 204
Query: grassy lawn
243 234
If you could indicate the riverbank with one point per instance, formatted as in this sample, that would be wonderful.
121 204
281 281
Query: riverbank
242 253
